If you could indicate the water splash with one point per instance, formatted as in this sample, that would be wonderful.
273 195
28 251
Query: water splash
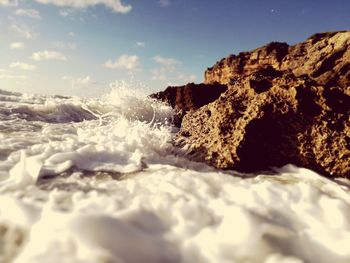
54 207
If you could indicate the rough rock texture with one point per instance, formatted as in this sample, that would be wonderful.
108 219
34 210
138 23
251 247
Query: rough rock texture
272 119
189 97
324 57
284 104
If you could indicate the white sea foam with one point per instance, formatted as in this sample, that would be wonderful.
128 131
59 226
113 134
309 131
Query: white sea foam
61 200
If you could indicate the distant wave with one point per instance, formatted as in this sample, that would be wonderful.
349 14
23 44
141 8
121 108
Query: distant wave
57 114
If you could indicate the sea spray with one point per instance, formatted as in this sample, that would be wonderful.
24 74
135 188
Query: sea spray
60 200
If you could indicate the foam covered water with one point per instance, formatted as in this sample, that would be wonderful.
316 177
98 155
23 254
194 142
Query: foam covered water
98 180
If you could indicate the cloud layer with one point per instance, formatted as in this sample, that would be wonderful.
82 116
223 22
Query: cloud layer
166 61
23 66
17 45
8 2
79 82
168 70
10 76
23 30
128 62
116 5
48 55
31 13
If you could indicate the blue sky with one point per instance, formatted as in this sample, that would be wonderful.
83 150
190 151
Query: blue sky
77 47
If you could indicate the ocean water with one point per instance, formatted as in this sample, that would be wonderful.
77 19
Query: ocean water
98 180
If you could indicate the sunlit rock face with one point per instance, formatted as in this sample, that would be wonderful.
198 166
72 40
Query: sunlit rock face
323 57
284 104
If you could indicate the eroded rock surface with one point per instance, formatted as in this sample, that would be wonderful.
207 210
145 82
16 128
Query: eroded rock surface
263 121
284 104
324 57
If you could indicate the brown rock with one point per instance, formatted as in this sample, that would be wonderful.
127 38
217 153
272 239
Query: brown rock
246 63
323 57
292 121
189 97
284 104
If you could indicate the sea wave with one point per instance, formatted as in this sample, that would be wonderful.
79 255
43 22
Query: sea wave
99 180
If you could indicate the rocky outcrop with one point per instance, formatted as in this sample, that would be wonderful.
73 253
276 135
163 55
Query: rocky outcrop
283 104
269 120
245 63
189 97
324 57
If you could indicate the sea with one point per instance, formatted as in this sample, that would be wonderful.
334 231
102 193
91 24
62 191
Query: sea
99 180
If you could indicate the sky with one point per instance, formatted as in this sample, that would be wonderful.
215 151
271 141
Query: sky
87 47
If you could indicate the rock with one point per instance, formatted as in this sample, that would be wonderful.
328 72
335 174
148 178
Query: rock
284 104
189 97
288 119
323 57
246 63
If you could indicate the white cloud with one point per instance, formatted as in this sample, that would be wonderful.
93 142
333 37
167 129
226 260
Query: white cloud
65 45
66 12
170 70
8 2
24 30
48 55
79 82
71 34
140 44
125 61
167 65
159 74
116 5
31 13
17 45
166 61
12 76
164 2
23 66
85 80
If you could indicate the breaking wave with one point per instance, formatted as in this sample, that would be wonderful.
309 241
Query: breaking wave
98 180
